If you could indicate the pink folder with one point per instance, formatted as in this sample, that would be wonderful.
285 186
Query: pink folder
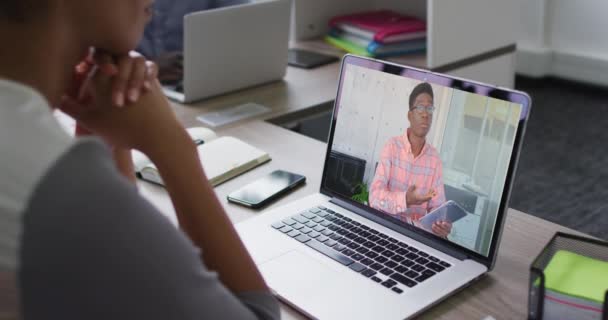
381 26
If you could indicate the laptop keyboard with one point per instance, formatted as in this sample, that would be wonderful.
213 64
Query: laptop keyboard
362 249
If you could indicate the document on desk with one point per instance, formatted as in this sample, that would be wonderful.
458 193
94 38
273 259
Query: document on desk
233 114
222 159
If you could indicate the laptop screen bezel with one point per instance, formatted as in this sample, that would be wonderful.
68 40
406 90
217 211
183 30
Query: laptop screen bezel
438 79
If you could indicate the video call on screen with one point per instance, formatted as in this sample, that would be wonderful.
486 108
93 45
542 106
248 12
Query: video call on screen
461 169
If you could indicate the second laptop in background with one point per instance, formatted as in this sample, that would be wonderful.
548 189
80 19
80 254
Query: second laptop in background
232 48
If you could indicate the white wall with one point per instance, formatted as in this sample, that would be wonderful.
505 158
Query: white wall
579 26
564 38
532 24
465 28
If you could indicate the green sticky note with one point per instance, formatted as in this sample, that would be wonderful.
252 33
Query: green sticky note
578 276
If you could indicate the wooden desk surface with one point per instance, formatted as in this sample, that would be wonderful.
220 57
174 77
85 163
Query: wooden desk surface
501 294
299 92
288 150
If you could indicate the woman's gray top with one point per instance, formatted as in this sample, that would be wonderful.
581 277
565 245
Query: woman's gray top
90 247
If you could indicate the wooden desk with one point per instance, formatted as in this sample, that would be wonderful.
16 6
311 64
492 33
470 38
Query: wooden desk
297 94
501 294
289 151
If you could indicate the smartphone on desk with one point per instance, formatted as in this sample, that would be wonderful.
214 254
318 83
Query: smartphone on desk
266 189
308 59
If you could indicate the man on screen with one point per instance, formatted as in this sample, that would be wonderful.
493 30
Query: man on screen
408 182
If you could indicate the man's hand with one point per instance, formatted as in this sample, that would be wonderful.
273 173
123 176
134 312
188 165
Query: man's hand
442 228
414 199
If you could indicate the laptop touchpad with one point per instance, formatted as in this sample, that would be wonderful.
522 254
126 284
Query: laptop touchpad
296 275
317 287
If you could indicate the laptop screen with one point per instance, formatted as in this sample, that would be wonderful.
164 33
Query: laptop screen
426 151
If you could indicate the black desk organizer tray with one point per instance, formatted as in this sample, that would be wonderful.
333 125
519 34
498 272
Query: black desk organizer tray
591 248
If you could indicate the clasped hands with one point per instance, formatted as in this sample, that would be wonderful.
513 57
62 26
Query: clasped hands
119 99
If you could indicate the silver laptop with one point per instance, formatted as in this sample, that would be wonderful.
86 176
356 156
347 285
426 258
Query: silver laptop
232 48
357 249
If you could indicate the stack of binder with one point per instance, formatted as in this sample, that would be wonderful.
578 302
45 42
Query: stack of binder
382 33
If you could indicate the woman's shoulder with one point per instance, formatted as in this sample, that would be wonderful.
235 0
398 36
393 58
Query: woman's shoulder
28 124
32 138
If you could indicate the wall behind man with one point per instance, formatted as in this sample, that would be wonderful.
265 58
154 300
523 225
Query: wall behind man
564 38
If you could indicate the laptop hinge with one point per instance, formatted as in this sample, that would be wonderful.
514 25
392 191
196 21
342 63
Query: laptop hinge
400 229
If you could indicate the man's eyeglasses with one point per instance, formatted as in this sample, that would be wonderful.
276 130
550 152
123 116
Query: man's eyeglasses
421 109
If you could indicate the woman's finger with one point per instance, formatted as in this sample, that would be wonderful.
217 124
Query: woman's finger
121 80
151 74
106 62
83 68
83 92
139 72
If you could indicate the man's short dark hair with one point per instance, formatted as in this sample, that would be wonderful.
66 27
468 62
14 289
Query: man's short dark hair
424 87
